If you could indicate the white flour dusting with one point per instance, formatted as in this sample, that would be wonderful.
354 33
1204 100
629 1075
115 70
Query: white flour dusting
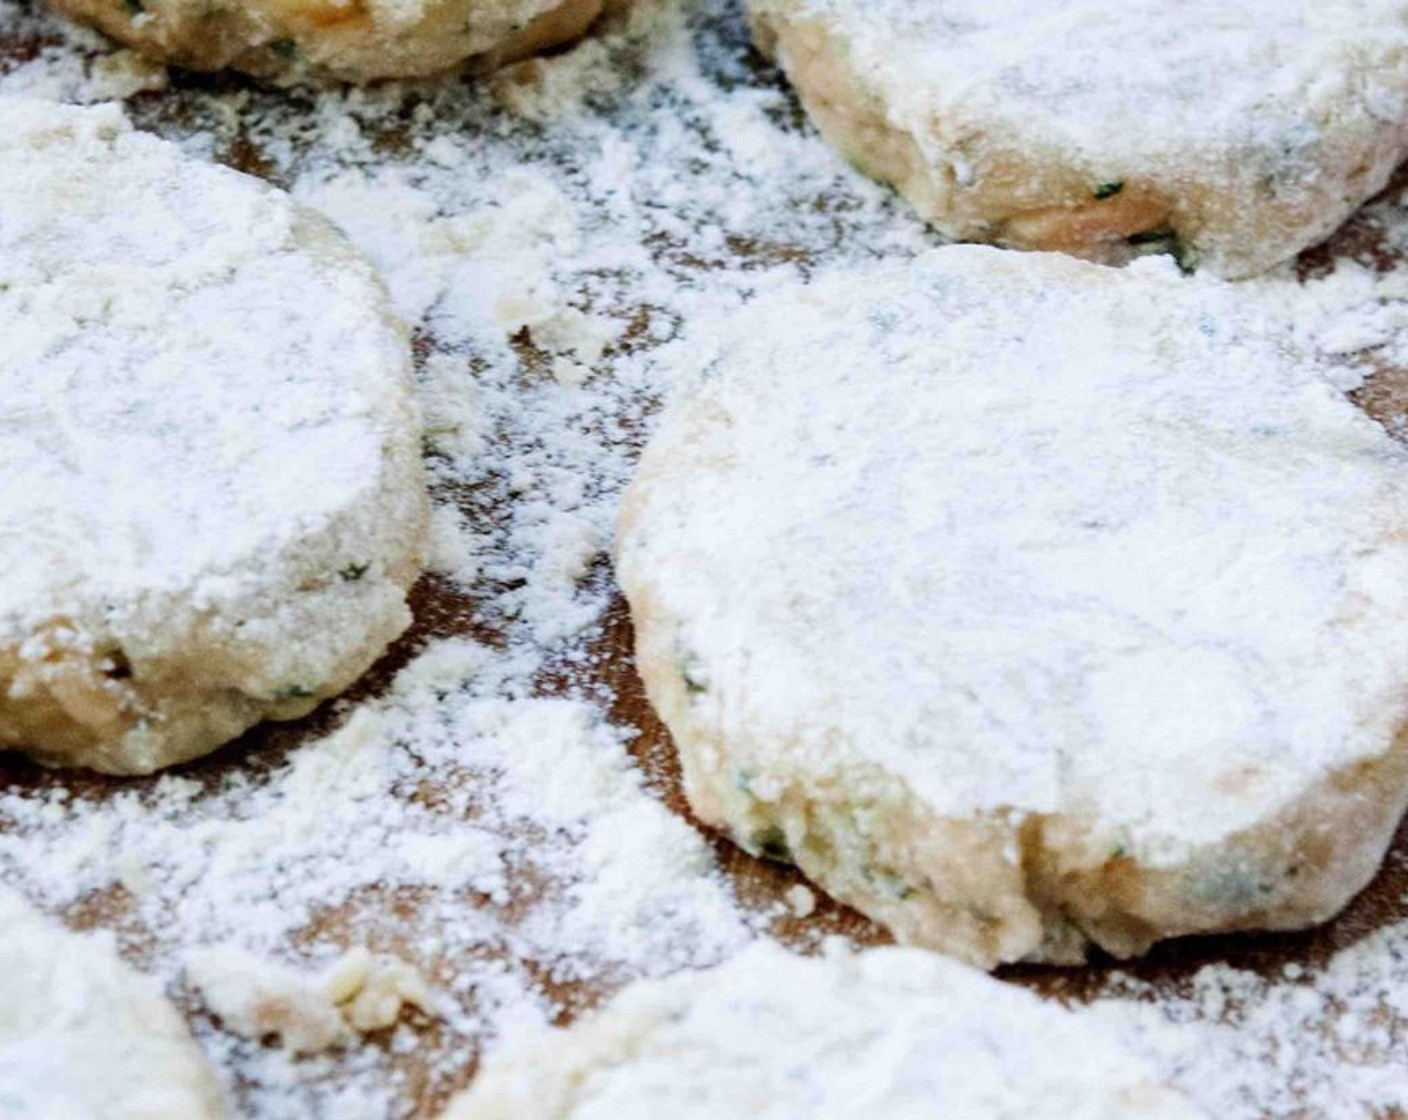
453 784
84 1035
1235 134
185 556
546 233
1329 1042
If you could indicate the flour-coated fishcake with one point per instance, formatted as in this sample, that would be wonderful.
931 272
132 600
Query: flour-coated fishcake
894 1033
1235 132
85 1037
1024 602
345 40
213 501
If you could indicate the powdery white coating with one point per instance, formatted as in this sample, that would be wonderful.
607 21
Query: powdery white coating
890 1032
1237 133
84 1037
1023 601
347 40
662 146
214 502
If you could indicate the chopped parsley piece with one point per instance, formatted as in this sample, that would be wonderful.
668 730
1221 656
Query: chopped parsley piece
771 843
886 882
689 673
1151 236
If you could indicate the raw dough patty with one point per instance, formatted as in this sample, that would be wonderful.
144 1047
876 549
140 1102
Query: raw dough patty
213 501
347 40
1235 132
1023 602
83 1037
894 1033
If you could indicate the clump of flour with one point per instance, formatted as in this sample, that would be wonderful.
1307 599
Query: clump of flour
309 1012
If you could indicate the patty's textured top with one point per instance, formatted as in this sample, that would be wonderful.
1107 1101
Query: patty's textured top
1033 535
1139 78
1236 133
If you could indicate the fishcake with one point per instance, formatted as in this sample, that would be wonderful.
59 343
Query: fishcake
84 1037
343 40
1232 133
1025 603
214 502
888 1032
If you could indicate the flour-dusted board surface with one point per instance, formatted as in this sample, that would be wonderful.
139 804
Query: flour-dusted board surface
495 805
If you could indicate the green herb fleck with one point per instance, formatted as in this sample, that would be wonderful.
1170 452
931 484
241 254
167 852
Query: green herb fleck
690 674
1151 236
134 7
1108 190
294 692
1186 256
1162 239
1117 852
284 48
117 667
887 882
353 572
771 843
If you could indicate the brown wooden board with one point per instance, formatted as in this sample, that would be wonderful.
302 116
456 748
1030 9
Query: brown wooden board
231 118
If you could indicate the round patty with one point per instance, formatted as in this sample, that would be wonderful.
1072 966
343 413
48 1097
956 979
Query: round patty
214 502
1024 602
1232 132
345 40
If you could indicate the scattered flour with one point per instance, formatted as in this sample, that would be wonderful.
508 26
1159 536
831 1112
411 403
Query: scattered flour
71 64
453 785
801 900
546 233
1327 1042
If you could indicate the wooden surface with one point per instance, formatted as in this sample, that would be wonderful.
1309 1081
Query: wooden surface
388 917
